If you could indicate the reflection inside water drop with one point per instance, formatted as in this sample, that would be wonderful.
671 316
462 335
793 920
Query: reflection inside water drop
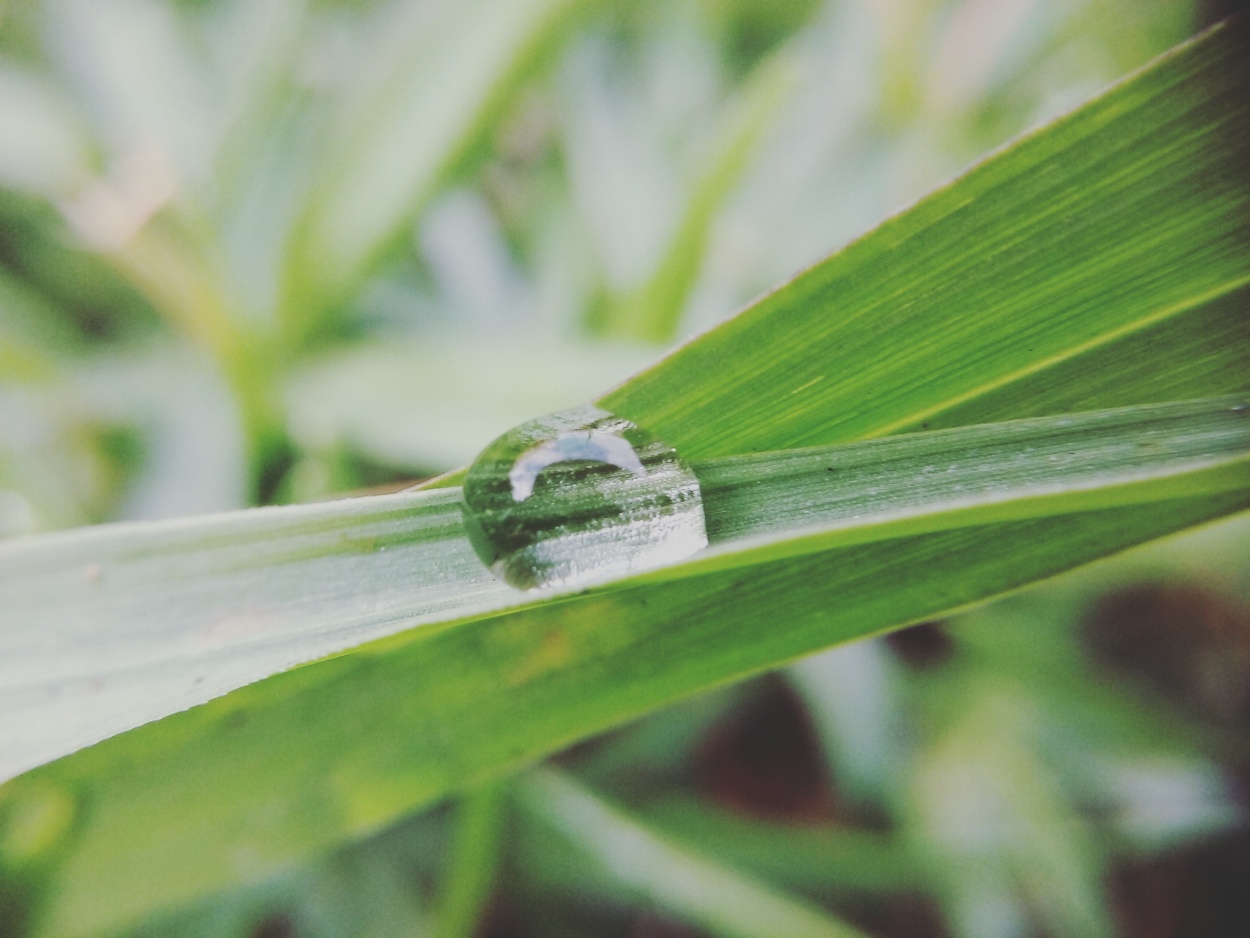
590 445
580 495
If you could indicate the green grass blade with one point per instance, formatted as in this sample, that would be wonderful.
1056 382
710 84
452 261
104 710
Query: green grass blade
651 313
168 615
480 822
675 878
442 71
1129 212
1205 351
810 858
319 754
153 618
989 758
911 484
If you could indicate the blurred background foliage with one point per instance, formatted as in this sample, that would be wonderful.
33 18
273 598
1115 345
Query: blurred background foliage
256 252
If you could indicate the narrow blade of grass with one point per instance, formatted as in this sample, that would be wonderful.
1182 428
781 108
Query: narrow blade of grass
323 753
673 877
805 857
1129 212
442 71
480 820
160 617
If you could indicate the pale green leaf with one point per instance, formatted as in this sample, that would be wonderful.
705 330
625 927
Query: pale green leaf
432 404
670 875
165 616
438 71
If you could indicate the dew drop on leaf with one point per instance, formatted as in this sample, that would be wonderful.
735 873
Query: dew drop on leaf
577 496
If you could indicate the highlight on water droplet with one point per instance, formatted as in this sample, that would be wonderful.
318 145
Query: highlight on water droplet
578 496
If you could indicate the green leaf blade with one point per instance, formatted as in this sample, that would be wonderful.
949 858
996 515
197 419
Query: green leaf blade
319 754
1129 211
451 68
669 874
169 615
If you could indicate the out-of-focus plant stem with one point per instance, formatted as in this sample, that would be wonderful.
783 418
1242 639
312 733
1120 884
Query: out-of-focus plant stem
193 299
652 312
479 825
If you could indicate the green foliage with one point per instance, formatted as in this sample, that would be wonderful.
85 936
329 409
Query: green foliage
270 252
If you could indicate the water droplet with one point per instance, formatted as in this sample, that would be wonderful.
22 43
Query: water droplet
580 495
